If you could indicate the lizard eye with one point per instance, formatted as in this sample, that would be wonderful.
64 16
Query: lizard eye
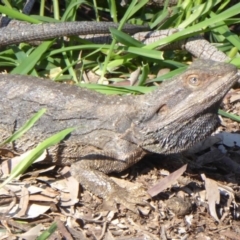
193 80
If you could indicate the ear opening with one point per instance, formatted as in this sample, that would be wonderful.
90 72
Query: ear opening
162 110
154 111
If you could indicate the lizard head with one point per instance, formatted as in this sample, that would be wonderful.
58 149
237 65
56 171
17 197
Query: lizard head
184 110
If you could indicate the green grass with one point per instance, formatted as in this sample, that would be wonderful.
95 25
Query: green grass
195 17
35 153
47 233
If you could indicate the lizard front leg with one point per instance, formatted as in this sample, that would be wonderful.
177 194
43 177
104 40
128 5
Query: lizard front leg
91 174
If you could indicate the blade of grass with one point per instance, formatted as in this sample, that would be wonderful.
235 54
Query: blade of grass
30 62
193 30
197 13
42 7
117 90
154 54
224 30
80 47
144 75
113 10
71 9
7 3
124 38
229 115
22 56
35 153
47 233
56 9
17 15
25 127
133 7
169 75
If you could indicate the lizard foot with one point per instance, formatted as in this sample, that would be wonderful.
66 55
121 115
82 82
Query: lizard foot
101 185
128 198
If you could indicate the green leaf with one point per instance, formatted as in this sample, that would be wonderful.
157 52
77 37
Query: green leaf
117 90
224 31
17 15
30 62
71 9
47 233
35 153
169 75
144 75
154 54
229 115
195 29
124 38
25 127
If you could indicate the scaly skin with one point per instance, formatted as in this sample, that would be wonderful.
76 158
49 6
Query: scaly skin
18 31
114 132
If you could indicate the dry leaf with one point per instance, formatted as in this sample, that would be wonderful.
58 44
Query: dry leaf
166 182
32 233
213 195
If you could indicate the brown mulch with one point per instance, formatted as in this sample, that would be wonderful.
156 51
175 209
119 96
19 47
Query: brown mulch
194 195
